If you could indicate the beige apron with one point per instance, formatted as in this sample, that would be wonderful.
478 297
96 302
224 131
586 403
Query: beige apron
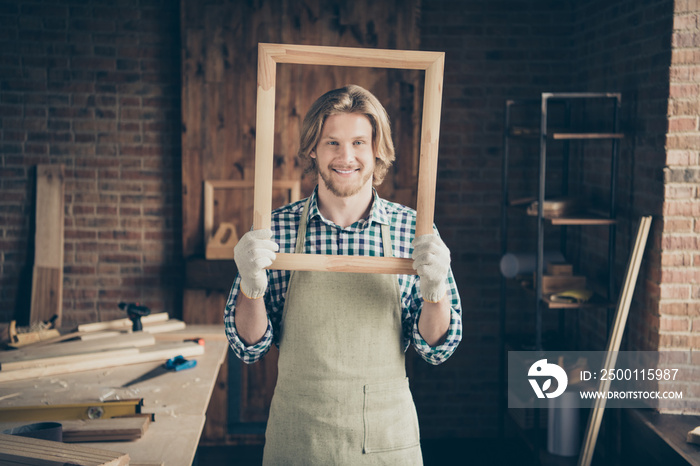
342 396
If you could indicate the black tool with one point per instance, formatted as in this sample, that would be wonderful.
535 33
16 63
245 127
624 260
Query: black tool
135 311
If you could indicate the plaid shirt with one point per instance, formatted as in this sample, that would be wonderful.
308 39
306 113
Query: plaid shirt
361 238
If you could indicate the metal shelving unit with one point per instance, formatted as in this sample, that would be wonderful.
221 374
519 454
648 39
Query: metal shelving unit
556 125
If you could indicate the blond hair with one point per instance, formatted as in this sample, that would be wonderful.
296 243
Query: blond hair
348 99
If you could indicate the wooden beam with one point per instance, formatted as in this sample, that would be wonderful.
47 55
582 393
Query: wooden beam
106 430
122 324
139 339
158 352
341 263
67 359
623 307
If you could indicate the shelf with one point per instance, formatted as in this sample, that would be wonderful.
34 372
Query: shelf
585 219
534 133
596 301
523 132
519 206
589 136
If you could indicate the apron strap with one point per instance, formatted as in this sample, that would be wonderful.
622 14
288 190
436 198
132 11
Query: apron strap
386 240
301 231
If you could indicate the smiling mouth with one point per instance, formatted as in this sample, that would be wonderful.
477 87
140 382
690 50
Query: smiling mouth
345 171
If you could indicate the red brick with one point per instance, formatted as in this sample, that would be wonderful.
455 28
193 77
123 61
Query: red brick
685 22
678 191
674 291
683 208
681 225
674 309
682 124
683 140
680 242
674 324
686 275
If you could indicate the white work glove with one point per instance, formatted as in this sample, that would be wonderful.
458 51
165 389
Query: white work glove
431 259
253 252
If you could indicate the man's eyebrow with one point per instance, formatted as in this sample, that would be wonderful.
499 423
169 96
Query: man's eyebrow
359 136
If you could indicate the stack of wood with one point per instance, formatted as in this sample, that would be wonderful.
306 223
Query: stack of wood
95 346
559 278
23 450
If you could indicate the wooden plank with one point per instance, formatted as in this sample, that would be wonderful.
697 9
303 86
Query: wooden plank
340 263
105 430
47 293
158 352
51 359
623 306
163 327
121 324
139 339
565 136
25 450
47 282
346 56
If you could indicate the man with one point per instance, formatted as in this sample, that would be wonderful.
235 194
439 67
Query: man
342 395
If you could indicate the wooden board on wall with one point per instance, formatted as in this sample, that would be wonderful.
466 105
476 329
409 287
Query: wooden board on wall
47 280
219 55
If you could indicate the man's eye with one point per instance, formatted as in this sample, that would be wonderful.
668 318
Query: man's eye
332 143
359 142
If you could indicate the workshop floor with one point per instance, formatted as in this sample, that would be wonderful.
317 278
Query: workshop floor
488 452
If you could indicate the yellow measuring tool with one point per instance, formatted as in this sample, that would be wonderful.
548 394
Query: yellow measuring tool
98 410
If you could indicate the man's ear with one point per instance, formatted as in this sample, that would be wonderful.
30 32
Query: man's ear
312 154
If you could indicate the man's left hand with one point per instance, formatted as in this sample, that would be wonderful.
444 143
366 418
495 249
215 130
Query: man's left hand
431 259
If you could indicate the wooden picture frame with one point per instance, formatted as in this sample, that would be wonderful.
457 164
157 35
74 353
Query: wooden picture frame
219 243
432 63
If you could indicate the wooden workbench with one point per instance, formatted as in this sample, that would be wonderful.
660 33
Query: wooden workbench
179 399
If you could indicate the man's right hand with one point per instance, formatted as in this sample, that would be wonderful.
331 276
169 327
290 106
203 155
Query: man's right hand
253 252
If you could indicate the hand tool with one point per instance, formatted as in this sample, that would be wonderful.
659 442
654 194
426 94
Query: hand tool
175 364
96 410
135 311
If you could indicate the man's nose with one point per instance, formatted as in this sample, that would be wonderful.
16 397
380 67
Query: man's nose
346 152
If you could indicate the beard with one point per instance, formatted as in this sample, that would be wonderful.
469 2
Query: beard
344 189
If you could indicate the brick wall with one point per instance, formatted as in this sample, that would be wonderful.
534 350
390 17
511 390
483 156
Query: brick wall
679 277
625 47
93 86
650 52
493 53
679 288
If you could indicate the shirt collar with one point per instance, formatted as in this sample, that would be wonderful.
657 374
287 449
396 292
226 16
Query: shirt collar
378 213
